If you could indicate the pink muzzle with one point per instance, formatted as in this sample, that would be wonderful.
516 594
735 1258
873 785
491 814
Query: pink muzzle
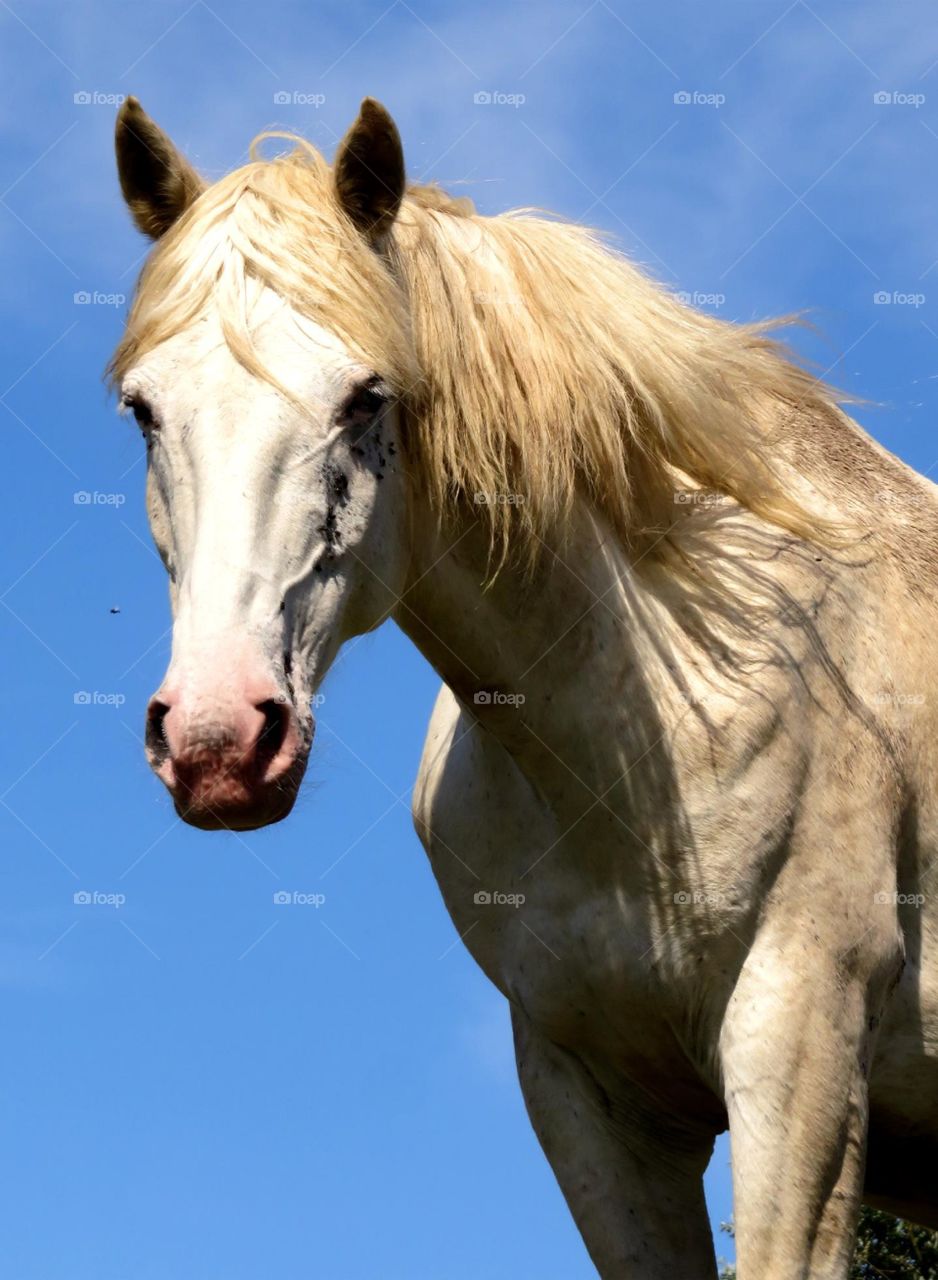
232 752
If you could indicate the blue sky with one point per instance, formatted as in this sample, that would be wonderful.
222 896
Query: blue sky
196 1082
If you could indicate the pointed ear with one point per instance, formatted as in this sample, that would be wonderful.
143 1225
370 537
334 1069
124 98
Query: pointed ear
369 170
157 182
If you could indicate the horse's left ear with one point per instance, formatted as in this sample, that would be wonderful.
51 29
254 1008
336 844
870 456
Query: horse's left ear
158 182
369 170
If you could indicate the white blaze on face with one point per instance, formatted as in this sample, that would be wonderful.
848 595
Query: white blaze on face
280 527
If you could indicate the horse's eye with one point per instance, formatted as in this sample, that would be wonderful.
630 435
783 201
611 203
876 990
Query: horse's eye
141 411
366 402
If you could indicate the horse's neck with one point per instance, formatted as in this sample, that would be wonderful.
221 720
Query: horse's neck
549 663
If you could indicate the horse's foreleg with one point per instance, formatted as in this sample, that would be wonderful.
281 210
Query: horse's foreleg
635 1193
795 1050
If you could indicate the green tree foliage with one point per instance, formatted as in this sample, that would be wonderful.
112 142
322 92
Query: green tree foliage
887 1249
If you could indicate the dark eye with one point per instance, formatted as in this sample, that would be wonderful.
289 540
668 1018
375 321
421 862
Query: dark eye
366 402
141 411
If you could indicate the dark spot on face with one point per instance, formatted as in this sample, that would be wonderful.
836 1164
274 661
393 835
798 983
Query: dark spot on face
336 483
330 529
371 449
337 491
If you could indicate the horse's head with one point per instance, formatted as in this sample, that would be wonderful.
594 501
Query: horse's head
274 485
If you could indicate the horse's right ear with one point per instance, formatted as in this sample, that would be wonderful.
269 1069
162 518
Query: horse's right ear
158 183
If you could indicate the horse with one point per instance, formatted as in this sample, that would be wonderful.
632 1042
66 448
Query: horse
678 788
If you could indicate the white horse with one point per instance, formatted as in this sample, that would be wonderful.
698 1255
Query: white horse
679 786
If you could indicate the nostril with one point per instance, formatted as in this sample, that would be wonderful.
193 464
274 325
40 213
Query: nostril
156 740
273 735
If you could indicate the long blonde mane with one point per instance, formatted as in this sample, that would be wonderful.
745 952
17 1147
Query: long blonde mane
533 363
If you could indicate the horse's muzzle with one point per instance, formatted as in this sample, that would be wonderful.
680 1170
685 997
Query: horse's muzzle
235 764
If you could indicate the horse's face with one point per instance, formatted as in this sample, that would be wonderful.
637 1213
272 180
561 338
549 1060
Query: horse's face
279 529
279 522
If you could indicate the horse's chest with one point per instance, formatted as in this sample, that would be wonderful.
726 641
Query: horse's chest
572 917
577 959
570 947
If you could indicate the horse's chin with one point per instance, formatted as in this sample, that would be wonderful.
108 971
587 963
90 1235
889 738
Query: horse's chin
225 801
238 817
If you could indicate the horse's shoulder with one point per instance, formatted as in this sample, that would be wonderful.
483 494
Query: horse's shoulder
441 733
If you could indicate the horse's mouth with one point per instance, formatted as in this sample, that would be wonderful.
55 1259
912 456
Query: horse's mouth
233 805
